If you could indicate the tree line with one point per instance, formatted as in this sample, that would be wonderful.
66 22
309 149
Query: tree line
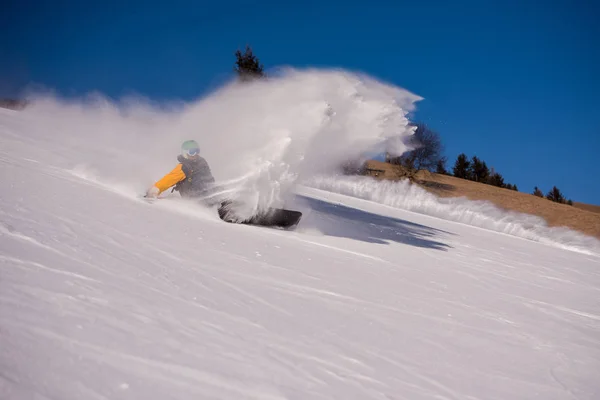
553 194
477 170
427 153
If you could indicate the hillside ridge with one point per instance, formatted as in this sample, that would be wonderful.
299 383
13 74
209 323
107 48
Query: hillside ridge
582 217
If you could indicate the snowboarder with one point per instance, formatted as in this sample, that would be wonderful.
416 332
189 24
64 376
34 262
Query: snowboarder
192 177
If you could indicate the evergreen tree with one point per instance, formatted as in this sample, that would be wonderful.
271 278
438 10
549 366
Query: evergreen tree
461 167
496 180
537 192
555 195
440 167
248 67
479 171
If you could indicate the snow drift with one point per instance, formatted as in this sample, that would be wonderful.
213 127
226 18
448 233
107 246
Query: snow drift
481 214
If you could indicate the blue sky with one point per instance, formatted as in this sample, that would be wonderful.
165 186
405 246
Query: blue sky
514 82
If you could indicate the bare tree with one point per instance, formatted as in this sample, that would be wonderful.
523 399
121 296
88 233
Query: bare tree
427 151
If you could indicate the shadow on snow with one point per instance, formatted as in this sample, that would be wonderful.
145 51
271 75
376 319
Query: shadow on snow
361 225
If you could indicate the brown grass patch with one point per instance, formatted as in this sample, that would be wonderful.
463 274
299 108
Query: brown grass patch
587 207
581 217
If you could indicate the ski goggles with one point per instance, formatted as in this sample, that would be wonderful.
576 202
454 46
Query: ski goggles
192 152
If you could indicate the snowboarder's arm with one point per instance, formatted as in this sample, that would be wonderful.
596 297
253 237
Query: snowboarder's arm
170 179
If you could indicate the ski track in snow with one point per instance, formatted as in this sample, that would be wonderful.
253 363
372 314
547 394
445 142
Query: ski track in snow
103 296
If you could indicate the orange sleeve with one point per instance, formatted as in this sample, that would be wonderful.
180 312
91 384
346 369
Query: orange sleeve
170 179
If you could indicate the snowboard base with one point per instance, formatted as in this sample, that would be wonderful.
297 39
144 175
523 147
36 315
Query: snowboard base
273 217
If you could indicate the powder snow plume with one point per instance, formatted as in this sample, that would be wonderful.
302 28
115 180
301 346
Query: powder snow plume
258 138
481 214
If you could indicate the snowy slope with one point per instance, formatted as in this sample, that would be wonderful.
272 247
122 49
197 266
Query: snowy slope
103 296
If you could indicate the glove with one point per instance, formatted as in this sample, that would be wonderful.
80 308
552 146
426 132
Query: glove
153 192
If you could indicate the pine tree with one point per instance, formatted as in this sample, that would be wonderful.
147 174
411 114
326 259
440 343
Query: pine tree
555 195
479 171
248 67
461 167
496 180
537 192
440 167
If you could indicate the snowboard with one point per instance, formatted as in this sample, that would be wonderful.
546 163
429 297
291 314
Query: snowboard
273 217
